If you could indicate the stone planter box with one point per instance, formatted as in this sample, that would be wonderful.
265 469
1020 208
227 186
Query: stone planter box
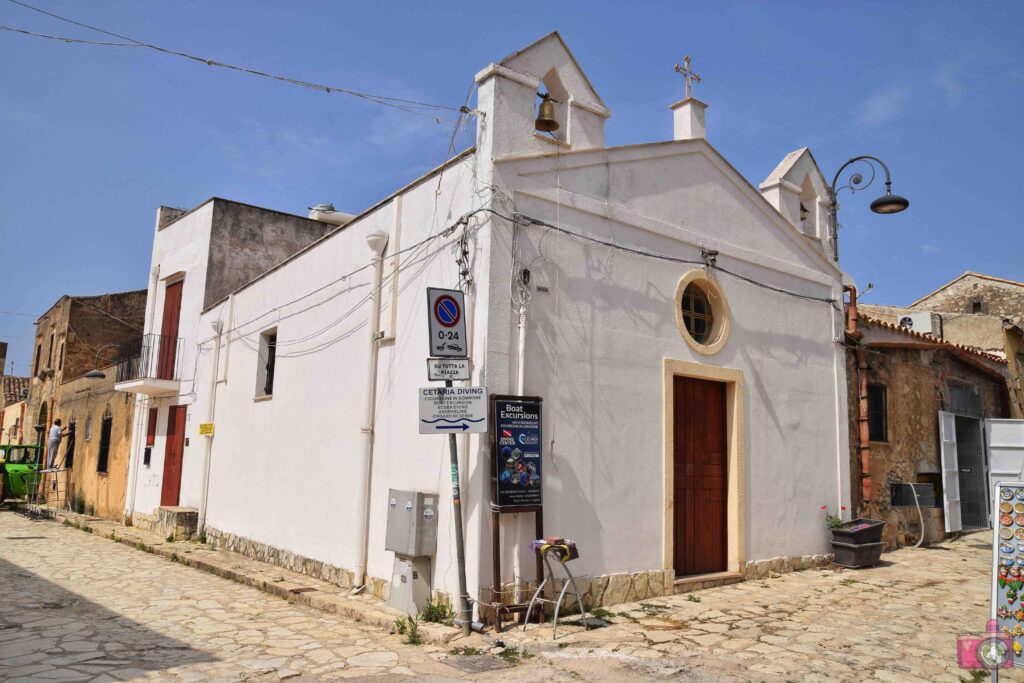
859 531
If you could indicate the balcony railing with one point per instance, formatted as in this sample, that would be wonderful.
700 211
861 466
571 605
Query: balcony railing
151 356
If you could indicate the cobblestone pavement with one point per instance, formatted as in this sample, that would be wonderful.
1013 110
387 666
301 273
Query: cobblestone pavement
77 606
894 622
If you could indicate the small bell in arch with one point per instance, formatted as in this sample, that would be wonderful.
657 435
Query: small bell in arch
546 122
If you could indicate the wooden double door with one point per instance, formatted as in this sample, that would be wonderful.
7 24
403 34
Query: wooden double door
700 476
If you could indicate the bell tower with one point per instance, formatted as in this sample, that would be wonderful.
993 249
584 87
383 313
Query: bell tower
509 97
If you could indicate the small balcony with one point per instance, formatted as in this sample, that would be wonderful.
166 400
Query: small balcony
149 365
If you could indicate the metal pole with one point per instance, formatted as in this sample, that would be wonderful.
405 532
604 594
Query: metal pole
465 611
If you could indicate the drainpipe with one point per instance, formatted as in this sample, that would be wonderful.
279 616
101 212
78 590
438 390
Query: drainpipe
226 359
218 327
863 432
141 403
377 240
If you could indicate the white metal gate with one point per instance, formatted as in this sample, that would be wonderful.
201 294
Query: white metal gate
1005 444
1004 453
950 471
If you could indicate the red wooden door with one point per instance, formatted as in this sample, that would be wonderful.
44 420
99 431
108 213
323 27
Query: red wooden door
168 341
174 450
700 476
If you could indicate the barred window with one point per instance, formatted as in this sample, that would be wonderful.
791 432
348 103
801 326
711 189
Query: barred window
878 421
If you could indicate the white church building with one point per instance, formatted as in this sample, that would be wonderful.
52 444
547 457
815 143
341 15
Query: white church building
681 325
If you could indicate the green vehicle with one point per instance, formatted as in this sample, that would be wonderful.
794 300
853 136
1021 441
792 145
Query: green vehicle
19 463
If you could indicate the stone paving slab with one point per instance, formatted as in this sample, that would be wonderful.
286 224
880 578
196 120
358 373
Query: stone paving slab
894 622
277 581
74 606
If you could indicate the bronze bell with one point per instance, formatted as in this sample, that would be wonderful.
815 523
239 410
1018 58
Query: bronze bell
546 122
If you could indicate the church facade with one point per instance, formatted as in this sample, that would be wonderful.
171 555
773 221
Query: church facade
682 327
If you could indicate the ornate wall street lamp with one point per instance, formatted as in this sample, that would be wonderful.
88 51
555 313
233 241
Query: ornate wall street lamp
96 373
887 203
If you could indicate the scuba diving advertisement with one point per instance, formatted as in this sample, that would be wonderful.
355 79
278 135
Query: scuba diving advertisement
517 452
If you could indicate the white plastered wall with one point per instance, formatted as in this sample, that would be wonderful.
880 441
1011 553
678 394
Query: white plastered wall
599 336
300 492
179 249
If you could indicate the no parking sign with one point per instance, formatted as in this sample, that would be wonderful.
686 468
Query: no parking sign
446 314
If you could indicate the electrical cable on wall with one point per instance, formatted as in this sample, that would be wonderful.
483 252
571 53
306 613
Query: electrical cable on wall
517 286
671 259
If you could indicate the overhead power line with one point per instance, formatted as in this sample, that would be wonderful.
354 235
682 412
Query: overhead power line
410 106
66 39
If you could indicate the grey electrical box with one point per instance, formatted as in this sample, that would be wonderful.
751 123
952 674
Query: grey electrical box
412 523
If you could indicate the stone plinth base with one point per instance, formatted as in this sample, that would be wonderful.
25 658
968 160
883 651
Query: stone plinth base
759 569
177 523
379 588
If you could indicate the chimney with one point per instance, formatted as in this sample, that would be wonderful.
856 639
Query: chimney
3 357
688 119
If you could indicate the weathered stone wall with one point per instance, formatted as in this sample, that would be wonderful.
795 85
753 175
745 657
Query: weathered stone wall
917 388
246 241
44 382
96 321
997 297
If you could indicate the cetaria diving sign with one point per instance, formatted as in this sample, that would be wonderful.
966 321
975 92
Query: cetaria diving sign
453 410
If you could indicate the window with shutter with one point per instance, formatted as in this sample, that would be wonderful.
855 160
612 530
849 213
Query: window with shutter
104 454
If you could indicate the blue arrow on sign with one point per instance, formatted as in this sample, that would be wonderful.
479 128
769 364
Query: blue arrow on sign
463 426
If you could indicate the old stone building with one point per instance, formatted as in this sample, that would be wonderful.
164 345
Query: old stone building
95 452
12 417
977 293
987 313
910 392
984 332
13 421
13 392
79 334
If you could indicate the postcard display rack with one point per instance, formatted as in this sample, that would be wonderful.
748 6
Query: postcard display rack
1008 566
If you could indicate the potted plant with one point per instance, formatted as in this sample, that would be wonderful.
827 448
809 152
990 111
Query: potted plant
857 543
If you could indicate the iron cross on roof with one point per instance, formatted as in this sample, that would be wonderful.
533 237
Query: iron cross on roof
689 74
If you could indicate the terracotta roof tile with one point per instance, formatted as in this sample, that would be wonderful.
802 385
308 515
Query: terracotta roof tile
14 388
920 336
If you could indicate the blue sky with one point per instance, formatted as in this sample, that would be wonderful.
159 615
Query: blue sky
95 138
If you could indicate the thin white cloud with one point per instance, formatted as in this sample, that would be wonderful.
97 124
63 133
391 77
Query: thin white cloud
930 249
950 81
1017 75
272 154
884 105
